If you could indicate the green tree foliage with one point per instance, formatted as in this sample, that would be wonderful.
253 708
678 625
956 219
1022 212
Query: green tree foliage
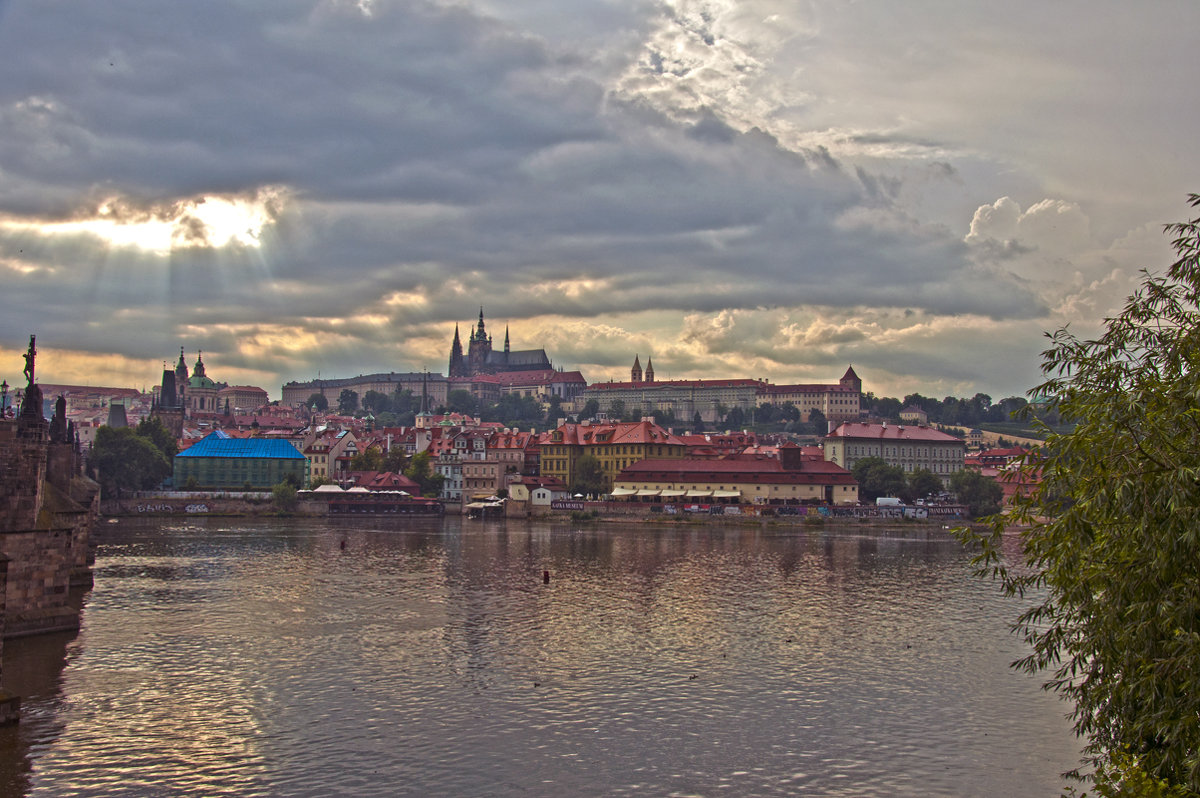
420 470
876 478
460 401
981 494
590 408
369 459
347 401
318 401
922 483
554 412
588 477
123 460
1111 536
153 430
376 402
283 496
514 411
395 460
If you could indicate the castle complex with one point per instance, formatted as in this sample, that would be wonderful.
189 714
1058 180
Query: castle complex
480 358
708 399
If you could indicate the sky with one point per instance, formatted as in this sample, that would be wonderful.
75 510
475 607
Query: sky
769 189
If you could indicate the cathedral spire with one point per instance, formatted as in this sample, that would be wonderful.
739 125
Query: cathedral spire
649 369
457 369
506 339
635 373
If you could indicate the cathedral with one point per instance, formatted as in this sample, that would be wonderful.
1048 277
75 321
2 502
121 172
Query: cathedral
480 358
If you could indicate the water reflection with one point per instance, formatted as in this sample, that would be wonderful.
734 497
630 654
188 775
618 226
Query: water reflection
265 658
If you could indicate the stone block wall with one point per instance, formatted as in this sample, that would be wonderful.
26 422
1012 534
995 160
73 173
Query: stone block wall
22 475
39 581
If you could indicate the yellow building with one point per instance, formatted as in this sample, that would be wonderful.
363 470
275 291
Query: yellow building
615 445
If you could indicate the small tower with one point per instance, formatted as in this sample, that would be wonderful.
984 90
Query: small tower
850 380
649 370
635 373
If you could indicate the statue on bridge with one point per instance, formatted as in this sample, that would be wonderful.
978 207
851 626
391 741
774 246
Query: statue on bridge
29 358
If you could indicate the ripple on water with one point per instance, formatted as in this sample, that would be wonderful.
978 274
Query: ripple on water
262 659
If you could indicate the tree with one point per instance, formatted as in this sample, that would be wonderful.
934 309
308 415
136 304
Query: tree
590 408
1110 534
369 459
420 470
460 401
876 478
283 496
922 483
404 401
376 402
152 429
395 461
347 401
981 494
318 401
554 412
124 460
588 477
817 422
616 410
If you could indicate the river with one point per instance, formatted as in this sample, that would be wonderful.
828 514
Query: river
300 658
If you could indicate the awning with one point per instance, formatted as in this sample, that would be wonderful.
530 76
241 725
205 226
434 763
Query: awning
671 493
698 493
726 494
623 492
647 492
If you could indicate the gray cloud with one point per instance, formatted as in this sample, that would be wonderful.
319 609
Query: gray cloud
589 163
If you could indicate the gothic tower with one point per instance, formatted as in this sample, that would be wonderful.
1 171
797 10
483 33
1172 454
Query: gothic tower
649 370
635 373
458 367
478 349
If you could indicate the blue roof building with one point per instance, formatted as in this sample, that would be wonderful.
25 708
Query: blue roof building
221 461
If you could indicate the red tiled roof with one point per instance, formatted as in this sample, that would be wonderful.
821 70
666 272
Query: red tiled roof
734 383
891 432
807 388
613 432
749 469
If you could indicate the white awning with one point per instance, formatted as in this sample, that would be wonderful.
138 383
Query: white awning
671 493
698 493
328 488
647 493
623 492
726 494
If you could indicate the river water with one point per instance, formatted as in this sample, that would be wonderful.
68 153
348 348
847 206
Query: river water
298 658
